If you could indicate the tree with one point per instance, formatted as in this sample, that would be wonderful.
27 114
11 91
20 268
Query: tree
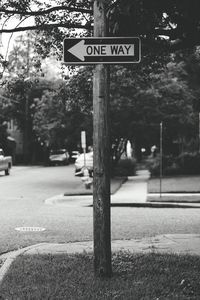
20 95
192 70
23 60
3 123
161 23
63 113
138 106
55 22
6 143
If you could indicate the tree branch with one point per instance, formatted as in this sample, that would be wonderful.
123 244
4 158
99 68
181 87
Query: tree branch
47 11
45 27
171 33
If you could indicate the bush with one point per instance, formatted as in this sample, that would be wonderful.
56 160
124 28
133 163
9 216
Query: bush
174 169
154 167
125 167
189 163
154 164
184 164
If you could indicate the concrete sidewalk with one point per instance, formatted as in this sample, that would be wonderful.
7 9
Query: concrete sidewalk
134 190
133 193
168 243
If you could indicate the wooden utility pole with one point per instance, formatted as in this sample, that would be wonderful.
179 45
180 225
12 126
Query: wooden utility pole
161 156
199 132
101 51
26 111
101 144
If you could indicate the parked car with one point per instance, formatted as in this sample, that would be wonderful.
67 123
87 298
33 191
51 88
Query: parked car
5 162
59 157
84 161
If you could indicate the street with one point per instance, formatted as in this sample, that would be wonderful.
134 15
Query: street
22 196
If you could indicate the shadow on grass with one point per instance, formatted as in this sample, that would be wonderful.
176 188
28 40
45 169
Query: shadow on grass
135 276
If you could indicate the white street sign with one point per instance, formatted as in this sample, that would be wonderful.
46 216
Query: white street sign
81 50
83 139
102 50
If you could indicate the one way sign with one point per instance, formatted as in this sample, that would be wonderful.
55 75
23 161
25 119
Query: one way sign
105 50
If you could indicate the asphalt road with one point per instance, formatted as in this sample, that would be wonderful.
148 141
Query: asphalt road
22 196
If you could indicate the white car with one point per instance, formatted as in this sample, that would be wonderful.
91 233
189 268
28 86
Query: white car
5 162
84 161
59 157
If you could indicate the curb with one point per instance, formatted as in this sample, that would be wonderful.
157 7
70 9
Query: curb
175 197
61 199
10 257
155 205
171 205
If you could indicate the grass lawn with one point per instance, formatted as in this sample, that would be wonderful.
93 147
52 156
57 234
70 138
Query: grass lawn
179 184
135 277
172 198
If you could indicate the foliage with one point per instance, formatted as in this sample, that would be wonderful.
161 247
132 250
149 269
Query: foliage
48 119
62 115
189 163
161 24
158 89
22 59
54 21
5 143
125 167
140 100
3 121
175 105
138 105
20 93
155 163
3 135
55 111
184 164
192 68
